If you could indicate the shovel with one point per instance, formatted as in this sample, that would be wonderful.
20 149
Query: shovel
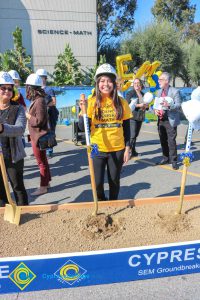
12 212
90 161
185 168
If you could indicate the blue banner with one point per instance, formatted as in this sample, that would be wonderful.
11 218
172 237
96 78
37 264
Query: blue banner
45 272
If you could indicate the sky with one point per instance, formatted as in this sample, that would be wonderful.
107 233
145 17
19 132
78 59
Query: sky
144 16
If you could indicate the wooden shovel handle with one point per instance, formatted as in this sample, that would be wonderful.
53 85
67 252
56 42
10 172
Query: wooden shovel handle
93 183
5 179
182 192
90 161
83 106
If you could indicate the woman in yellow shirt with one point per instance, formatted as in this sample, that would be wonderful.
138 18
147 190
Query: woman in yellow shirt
109 117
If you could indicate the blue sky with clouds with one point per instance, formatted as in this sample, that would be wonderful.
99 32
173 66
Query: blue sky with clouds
143 13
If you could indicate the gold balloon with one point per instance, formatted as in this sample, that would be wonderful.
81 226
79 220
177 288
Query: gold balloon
74 109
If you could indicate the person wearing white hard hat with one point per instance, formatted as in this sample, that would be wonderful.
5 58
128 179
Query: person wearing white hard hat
135 101
48 90
109 117
51 104
168 120
38 127
18 96
12 127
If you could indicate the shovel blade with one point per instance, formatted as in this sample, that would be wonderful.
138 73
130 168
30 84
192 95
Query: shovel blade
12 214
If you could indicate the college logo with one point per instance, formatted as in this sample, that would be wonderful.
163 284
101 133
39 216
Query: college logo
22 276
70 272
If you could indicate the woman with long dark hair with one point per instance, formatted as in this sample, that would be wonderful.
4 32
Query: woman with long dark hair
38 126
135 99
109 117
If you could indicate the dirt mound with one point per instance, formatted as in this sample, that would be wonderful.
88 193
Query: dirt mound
77 230
172 222
100 226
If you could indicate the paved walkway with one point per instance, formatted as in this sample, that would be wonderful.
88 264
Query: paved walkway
140 178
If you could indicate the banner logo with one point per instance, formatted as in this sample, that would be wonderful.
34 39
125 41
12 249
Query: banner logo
70 272
22 276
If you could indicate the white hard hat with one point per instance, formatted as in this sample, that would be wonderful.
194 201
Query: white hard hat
105 69
196 94
41 72
34 79
5 78
191 110
14 74
148 97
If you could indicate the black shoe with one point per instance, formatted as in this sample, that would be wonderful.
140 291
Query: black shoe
163 162
104 199
2 203
175 166
134 153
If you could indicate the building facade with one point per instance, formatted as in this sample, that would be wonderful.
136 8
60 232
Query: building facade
47 26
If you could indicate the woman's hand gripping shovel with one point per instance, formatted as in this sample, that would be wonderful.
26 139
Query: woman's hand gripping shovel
12 211
90 161
186 158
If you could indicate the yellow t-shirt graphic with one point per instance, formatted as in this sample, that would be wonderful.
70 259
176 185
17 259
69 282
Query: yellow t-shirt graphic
108 133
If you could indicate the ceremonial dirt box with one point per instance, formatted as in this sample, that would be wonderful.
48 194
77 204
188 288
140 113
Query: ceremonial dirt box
69 231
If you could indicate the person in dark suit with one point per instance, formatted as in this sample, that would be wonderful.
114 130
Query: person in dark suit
168 120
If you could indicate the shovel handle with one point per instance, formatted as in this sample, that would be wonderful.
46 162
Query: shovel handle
185 168
90 161
183 181
5 178
83 106
93 183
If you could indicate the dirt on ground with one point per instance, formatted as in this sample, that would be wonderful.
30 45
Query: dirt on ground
78 230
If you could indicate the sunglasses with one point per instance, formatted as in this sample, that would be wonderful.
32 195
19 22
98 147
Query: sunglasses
4 88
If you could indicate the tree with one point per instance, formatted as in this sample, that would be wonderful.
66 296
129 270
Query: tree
109 52
156 42
90 73
194 32
194 66
16 59
22 61
67 69
179 13
184 72
6 62
114 17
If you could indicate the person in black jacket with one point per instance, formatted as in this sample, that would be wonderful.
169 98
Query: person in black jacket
135 100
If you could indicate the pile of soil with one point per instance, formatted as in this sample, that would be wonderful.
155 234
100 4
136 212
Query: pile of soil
101 226
77 230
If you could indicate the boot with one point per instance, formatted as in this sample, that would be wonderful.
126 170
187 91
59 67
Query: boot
133 151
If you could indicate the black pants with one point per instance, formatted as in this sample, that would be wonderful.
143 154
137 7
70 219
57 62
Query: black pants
114 162
135 127
15 174
168 135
